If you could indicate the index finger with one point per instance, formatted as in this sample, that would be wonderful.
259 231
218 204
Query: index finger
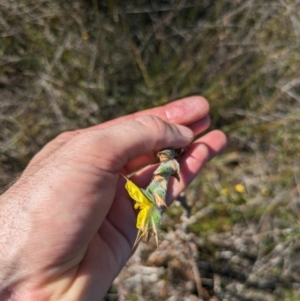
183 111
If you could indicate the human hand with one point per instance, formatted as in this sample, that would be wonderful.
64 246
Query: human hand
67 226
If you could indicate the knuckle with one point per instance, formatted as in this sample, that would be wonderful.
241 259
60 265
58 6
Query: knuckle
66 135
154 123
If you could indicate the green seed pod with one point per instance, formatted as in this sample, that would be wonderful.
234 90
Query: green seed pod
168 168
166 154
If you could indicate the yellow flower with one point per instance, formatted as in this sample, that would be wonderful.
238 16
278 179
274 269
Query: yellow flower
85 36
265 191
240 188
149 216
225 191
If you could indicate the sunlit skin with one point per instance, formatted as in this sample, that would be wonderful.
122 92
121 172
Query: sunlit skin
67 225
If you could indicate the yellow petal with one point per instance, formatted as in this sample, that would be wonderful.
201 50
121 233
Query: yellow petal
136 194
143 218
145 222
240 188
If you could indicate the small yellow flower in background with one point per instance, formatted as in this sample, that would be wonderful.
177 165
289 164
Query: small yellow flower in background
240 188
225 191
265 191
85 36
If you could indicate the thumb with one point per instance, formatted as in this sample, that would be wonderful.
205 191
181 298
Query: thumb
111 148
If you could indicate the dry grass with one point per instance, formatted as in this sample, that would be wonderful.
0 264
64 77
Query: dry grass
70 64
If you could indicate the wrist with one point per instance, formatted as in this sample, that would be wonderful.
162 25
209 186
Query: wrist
14 272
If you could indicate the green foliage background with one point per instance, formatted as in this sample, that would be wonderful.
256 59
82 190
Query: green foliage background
71 64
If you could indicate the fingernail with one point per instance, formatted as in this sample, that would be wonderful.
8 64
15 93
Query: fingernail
186 132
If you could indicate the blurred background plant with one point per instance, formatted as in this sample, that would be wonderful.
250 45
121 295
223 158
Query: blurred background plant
71 64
